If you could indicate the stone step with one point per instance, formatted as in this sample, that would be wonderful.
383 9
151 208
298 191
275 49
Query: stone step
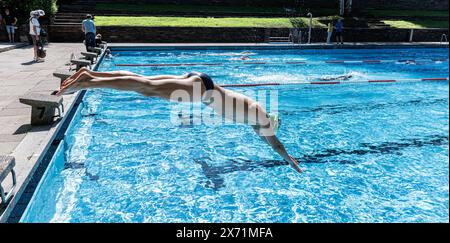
68 20
70 13
279 39
79 6
65 24
65 16
77 21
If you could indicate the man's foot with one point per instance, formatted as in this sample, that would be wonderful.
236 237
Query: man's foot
74 76
76 84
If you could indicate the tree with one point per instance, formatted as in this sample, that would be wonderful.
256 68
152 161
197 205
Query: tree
345 7
22 8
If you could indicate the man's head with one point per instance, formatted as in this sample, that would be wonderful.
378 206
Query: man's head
88 16
7 11
275 121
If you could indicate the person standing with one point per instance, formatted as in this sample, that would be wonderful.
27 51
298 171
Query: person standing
10 23
88 27
339 29
35 32
329 32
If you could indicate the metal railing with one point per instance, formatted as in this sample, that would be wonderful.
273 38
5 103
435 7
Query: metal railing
310 27
443 37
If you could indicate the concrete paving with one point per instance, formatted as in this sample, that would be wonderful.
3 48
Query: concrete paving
5 46
19 76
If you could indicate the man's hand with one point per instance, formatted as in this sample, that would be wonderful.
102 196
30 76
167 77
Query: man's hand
278 147
37 37
294 164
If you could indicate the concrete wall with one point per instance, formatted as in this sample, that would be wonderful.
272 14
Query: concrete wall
224 35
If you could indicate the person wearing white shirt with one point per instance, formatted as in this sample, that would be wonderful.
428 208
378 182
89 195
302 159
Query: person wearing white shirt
35 30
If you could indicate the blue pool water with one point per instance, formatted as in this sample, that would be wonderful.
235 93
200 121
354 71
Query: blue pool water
371 152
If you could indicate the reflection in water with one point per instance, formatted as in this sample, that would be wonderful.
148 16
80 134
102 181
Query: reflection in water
213 173
336 109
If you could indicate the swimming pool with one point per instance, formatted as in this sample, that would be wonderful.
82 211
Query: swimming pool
371 152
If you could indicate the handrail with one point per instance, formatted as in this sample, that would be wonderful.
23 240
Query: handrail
444 36
310 27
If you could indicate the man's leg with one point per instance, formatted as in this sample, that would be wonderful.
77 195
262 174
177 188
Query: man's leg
8 29
122 73
35 48
128 83
85 80
12 33
142 85
91 40
88 41
117 74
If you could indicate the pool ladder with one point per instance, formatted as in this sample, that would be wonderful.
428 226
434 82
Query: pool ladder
309 27
443 37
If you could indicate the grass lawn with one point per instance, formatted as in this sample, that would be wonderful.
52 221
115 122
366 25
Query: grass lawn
248 22
184 8
419 24
204 22
406 13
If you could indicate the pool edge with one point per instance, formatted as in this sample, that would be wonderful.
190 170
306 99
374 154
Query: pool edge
212 46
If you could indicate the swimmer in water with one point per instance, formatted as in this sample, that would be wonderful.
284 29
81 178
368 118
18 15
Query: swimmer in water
342 77
165 86
245 58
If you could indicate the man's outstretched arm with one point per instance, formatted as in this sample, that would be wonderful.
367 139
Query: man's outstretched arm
278 147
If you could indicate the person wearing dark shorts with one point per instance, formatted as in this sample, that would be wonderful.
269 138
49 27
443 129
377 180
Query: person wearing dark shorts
88 27
10 23
339 29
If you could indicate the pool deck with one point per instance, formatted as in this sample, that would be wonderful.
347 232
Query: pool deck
4 46
18 76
